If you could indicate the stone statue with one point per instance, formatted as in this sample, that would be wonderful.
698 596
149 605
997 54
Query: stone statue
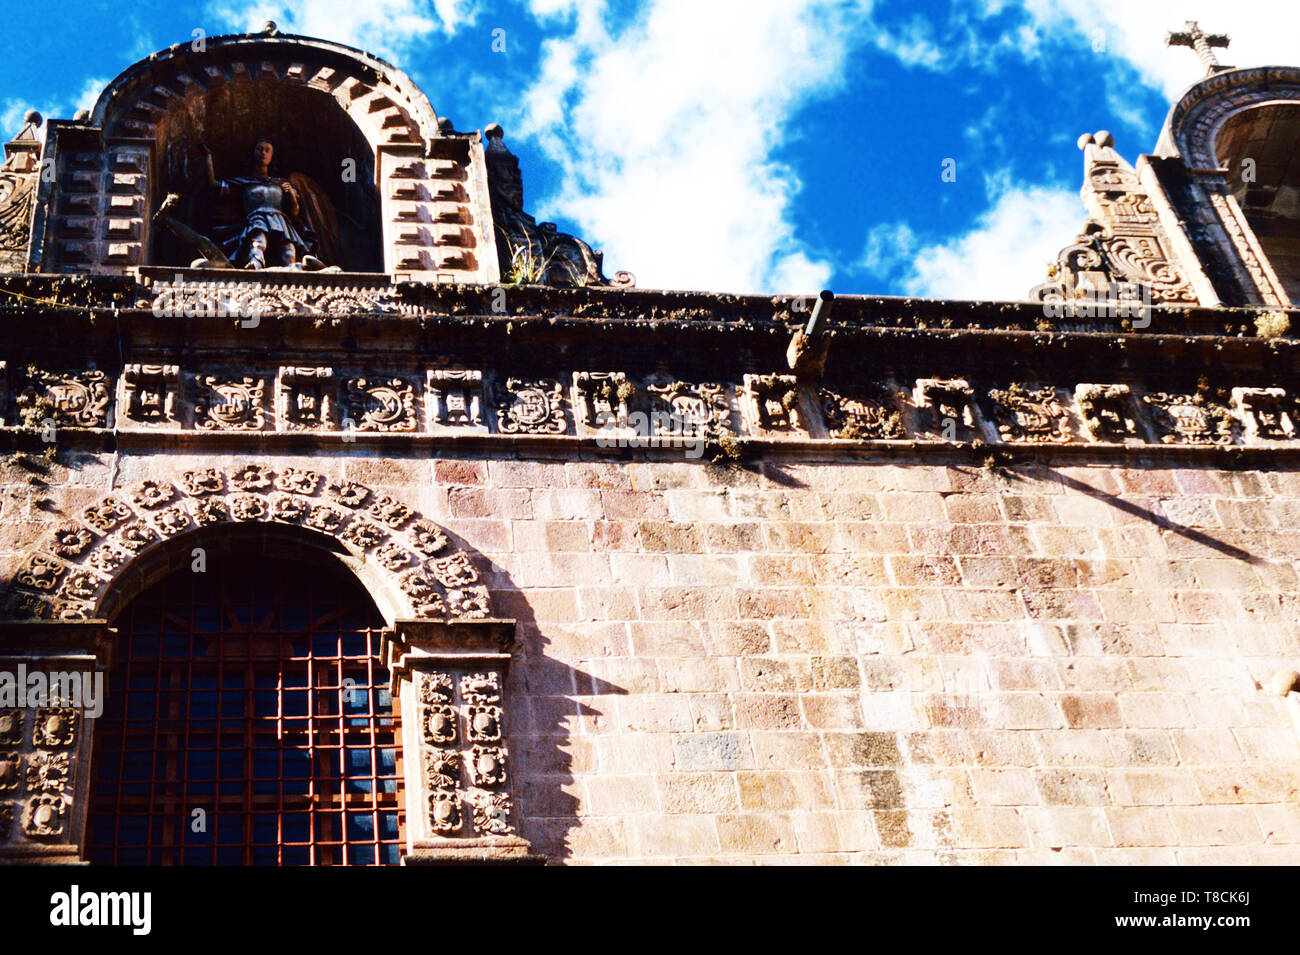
282 223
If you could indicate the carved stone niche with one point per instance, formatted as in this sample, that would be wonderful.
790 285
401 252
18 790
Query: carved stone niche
48 698
945 409
449 679
456 400
304 399
1108 413
771 404
1267 414
151 394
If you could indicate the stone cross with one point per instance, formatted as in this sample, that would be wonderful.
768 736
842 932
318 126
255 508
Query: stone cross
1203 43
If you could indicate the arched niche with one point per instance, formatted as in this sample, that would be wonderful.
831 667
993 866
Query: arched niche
312 135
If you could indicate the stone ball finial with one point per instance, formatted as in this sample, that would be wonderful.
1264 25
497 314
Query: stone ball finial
1085 141
1104 139
1283 682
32 118
270 28
494 132
82 116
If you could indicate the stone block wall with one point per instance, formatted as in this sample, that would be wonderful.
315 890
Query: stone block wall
871 659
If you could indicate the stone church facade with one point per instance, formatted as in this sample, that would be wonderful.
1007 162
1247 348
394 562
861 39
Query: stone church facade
658 576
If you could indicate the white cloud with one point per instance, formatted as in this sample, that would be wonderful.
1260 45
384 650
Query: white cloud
666 130
12 111
1263 32
1001 257
388 28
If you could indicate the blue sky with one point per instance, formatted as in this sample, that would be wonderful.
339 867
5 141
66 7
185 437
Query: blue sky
746 145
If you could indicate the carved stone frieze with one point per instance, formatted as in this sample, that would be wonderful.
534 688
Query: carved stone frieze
685 409
602 399
381 404
230 403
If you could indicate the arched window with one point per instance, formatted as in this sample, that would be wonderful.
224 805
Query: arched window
248 722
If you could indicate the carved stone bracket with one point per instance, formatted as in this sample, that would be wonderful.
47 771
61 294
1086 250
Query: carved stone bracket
449 680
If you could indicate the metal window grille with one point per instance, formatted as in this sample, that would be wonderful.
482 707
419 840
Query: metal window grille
248 722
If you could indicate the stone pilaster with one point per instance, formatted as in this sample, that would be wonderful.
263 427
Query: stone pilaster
448 679
52 685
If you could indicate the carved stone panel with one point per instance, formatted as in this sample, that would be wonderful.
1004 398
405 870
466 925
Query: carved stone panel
151 394
456 400
525 406
230 403
689 410
602 399
1267 414
945 408
866 413
304 398
71 399
771 404
380 404
1189 419
1030 413
1107 412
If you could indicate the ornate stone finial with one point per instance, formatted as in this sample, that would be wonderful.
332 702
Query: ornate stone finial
495 138
32 118
1203 43
269 28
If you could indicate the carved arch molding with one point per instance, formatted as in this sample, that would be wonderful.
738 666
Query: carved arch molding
69 576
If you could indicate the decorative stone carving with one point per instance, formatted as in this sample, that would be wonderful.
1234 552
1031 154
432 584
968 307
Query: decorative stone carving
491 813
71 399
47 772
11 726
266 297
442 769
439 579
45 816
1268 414
863 414
1123 243
456 399
70 541
153 494
682 409
11 772
151 393
532 252
1026 413
439 724
18 184
946 408
202 481
385 404
487 766
531 407
1107 412
1189 419
771 404
54 726
40 573
484 723
602 398
230 403
444 811
304 399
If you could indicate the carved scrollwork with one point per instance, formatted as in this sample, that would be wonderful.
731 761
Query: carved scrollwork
1024 413
73 399
491 813
45 816
230 403
47 772
386 404
1189 419
531 407
862 414
54 726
